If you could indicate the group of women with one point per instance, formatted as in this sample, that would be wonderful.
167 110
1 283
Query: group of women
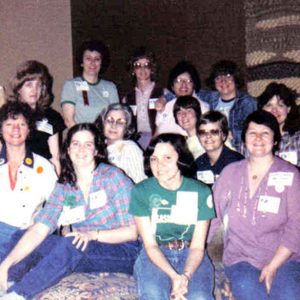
90 219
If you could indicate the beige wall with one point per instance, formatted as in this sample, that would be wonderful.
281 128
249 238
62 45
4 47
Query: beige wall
40 30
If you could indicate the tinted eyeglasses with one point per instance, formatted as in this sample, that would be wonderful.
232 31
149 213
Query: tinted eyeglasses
212 132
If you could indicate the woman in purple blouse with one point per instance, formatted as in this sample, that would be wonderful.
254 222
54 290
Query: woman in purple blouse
257 202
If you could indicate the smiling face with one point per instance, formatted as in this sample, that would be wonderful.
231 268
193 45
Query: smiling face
82 149
91 63
114 126
186 118
278 109
183 85
15 131
163 164
211 136
225 85
259 140
30 92
142 69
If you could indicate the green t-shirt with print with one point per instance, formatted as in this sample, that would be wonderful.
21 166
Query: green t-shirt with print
173 214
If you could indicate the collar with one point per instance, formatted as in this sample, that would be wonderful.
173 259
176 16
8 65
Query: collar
28 160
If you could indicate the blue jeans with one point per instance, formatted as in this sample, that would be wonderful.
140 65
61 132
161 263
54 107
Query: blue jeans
59 258
6 233
154 284
246 286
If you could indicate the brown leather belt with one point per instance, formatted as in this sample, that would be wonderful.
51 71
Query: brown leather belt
176 244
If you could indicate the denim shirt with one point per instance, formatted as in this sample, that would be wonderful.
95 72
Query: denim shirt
243 106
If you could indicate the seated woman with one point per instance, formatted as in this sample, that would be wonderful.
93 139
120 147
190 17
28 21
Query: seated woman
142 67
32 84
280 101
84 97
118 128
27 179
93 198
187 113
172 214
257 200
225 81
213 132
183 81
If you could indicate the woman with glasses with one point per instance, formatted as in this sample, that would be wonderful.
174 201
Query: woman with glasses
91 198
225 81
183 81
117 125
85 96
172 213
212 131
142 67
280 101
257 202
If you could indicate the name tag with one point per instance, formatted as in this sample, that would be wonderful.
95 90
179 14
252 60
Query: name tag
207 176
280 180
81 86
152 103
72 215
185 211
290 156
133 108
268 204
44 126
97 199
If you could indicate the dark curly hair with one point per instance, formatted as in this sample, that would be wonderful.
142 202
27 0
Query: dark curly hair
184 67
13 109
224 67
68 174
185 157
94 45
288 96
33 70
265 118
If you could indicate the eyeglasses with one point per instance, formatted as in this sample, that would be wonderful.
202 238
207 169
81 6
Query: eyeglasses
226 77
212 132
137 65
118 122
182 80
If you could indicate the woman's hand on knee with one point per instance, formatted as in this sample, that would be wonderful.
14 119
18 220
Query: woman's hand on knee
179 287
81 239
267 275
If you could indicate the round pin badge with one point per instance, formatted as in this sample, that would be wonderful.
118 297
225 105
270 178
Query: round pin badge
209 201
28 161
279 188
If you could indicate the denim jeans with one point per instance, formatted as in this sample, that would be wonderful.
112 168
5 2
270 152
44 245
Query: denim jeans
59 258
6 233
246 286
154 284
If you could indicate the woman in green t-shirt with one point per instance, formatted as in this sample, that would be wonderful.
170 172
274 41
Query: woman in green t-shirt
172 213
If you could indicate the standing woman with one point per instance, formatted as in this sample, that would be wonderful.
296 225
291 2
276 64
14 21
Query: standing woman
91 196
257 201
172 214
32 84
280 101
143 70
118 129
84 97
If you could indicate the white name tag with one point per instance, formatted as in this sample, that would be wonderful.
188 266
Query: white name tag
97 199
185 211
280 180
44 126
290 156
207 176
268 204
72 215
133 108
152 103
81 86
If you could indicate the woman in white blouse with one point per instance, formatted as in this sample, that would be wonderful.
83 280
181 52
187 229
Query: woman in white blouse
118 127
